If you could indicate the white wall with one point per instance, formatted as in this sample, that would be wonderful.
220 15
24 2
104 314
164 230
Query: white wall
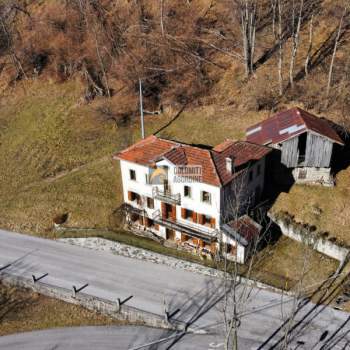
241 250
321 245
194 203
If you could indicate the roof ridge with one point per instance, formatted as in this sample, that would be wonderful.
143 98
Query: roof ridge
215 167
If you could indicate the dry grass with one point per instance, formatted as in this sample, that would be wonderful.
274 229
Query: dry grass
27 311
295 265
326 208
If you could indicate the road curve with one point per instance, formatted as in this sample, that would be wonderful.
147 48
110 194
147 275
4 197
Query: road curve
264 315
108 338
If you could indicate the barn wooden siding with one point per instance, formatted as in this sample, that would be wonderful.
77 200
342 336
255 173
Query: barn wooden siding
318 152
290 153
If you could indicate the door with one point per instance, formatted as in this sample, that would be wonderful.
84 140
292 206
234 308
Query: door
170 234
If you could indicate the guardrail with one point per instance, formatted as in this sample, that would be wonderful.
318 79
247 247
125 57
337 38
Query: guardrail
116 309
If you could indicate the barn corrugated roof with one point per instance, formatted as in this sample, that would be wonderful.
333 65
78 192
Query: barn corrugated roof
287 124
213 161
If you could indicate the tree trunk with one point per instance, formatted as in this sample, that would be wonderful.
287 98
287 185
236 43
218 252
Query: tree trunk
280 49
248 14
330 73
308 56
295 44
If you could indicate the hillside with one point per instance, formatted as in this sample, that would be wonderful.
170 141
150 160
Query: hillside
69 93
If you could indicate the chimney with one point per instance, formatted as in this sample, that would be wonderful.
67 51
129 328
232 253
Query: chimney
229 165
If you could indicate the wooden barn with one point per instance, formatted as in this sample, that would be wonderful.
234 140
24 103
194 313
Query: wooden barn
306 143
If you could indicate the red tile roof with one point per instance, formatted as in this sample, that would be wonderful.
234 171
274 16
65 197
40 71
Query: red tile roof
246 228
146 151
287 124
213 161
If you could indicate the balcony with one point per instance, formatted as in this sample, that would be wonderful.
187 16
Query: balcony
202 233
166 196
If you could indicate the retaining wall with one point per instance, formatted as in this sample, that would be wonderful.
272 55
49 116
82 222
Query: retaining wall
319 244
104 306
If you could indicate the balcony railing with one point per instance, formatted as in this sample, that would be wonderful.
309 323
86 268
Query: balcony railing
166 196
202 233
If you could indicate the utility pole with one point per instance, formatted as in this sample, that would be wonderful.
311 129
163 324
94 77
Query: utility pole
141 111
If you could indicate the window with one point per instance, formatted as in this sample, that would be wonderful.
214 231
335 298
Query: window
258 170
207 220
188 214
250 176
147 179
206 197
187 191
132 196
150 203
132 174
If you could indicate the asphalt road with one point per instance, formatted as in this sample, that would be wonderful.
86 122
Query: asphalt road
107 338
198 297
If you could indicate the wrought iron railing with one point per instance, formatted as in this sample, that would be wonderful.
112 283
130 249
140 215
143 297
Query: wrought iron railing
166 196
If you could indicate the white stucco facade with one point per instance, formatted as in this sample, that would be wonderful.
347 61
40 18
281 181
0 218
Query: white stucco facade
136 179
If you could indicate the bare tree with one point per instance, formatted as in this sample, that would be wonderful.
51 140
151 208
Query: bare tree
248 17
295 40
273 9
280 46
237 294
162 16
311 39
336 43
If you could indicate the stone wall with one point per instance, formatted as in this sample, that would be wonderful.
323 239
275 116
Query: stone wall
320 176
104 306
317 243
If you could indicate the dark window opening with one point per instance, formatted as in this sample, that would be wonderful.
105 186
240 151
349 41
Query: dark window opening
170 234
150 203
132 174
302 174
302 146
189 214
187 191
206 197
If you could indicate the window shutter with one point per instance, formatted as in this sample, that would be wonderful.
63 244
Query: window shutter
201 243
173 212
213 247
194 216
201 219
163 206
183 213
212 222
129 196
156 226
141 220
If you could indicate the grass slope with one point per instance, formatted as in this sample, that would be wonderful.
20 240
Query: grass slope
24 311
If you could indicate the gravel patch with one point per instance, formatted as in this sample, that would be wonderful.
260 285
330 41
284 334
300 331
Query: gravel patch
117 248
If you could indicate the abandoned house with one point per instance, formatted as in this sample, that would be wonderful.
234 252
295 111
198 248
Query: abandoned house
306 143
196 197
